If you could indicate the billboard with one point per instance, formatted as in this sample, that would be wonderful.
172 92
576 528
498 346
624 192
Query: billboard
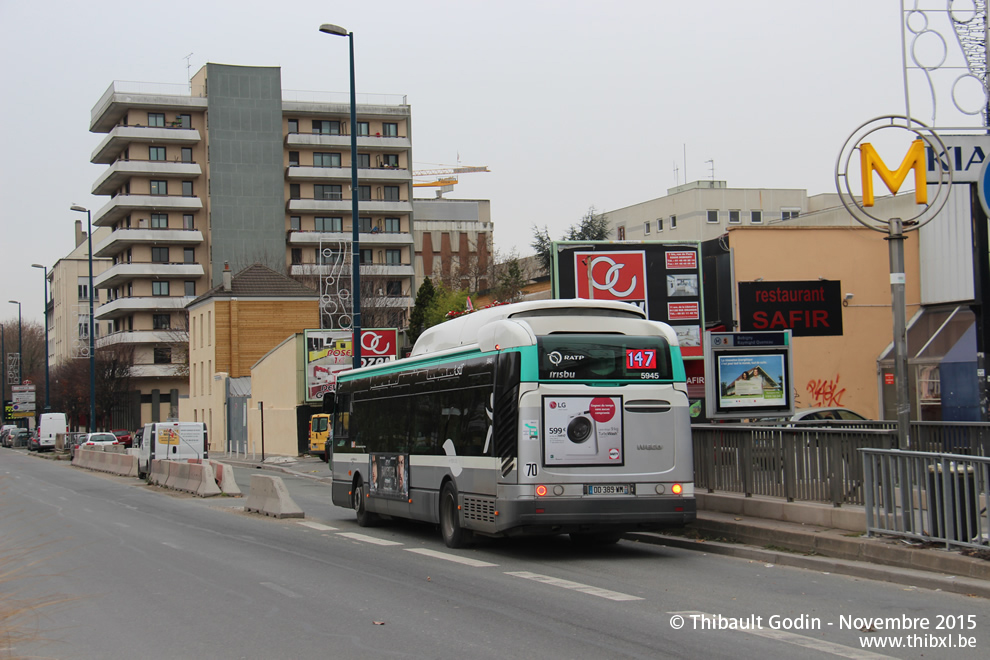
331 351
662 278
808 308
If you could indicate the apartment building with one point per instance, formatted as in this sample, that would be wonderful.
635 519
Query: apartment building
454 239
232 169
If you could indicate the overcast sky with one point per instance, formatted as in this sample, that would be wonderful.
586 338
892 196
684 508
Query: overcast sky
571 104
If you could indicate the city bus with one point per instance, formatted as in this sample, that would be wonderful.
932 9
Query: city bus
543 417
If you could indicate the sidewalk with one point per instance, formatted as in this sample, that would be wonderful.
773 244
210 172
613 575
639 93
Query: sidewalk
802 535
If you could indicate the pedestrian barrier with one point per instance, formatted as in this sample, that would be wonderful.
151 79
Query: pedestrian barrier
269 496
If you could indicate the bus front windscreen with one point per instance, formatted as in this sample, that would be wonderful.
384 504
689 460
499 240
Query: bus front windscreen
603 357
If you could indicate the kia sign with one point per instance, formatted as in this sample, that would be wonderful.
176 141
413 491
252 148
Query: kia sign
661 278
808 309
331 351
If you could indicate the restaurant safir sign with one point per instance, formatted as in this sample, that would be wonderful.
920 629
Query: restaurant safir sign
808 309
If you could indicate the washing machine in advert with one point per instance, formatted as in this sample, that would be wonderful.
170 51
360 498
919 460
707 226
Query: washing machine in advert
582 430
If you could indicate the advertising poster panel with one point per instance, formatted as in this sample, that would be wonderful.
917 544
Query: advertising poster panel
330 351
748 375
389 476
582 430
662 278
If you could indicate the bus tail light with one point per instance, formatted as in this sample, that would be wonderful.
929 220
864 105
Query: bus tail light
541 491
676 489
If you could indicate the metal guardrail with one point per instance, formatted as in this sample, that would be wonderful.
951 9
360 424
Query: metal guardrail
934 497
813 461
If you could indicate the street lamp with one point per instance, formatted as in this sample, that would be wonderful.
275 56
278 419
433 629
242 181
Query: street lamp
20 351
355 246
92 334
3 375
45 268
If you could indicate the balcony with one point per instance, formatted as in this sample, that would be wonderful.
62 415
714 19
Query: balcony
343 142
159 371
131 337
316 238
344 206
122 171
343 174
344 268
124 96
122 137
121 239
123 273
122 205
122 307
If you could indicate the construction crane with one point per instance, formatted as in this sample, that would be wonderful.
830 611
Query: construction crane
448 177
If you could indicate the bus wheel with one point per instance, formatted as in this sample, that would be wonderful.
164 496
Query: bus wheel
364 517
599 538
450 525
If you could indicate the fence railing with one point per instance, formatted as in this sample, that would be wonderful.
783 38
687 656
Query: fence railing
816 461
935 497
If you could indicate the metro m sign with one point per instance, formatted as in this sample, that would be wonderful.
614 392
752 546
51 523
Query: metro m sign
808 309
871 162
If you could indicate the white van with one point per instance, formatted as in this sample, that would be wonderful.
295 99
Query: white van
171 441
52 425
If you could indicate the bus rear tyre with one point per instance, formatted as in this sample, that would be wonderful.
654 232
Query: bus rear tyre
454 536
364 517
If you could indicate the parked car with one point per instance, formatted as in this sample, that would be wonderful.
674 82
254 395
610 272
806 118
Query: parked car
72 440
52 425
124 437
819 414
100 439
18 438
5 432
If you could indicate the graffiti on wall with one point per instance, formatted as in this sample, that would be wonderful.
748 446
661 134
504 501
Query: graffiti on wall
825 392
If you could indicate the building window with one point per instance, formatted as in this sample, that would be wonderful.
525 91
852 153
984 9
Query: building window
366 257
363 128
159 221
364 161
327 192
390 129
293 126
393 257
156 153
294 192
187 155
185 121
364 192
188 255
324 127
295 223
646 227
392 193
162 321
159 288
734 217
673 222
328 257
189 288
159 187
329 224
187 221
713 217
293 159
659 224
159 255
392 226
296 256
620 233
364 225
83 285
390 160
326 159
756 217
393 288
163 355
156 119
187 188
789 214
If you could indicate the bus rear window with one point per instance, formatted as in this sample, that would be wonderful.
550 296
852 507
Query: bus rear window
603 357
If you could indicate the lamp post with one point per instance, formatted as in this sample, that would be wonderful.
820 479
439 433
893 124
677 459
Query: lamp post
45 268
3 376
20 353
355 245
92 334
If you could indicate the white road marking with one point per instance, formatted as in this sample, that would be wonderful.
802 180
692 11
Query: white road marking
318 526
575 586
477 563
367 539
798 640
171 545
282 590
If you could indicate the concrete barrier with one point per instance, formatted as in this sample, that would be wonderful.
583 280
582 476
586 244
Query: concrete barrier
195 478
224 475
269 496
100 461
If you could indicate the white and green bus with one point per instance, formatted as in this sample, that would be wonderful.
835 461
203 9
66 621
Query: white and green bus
544 417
